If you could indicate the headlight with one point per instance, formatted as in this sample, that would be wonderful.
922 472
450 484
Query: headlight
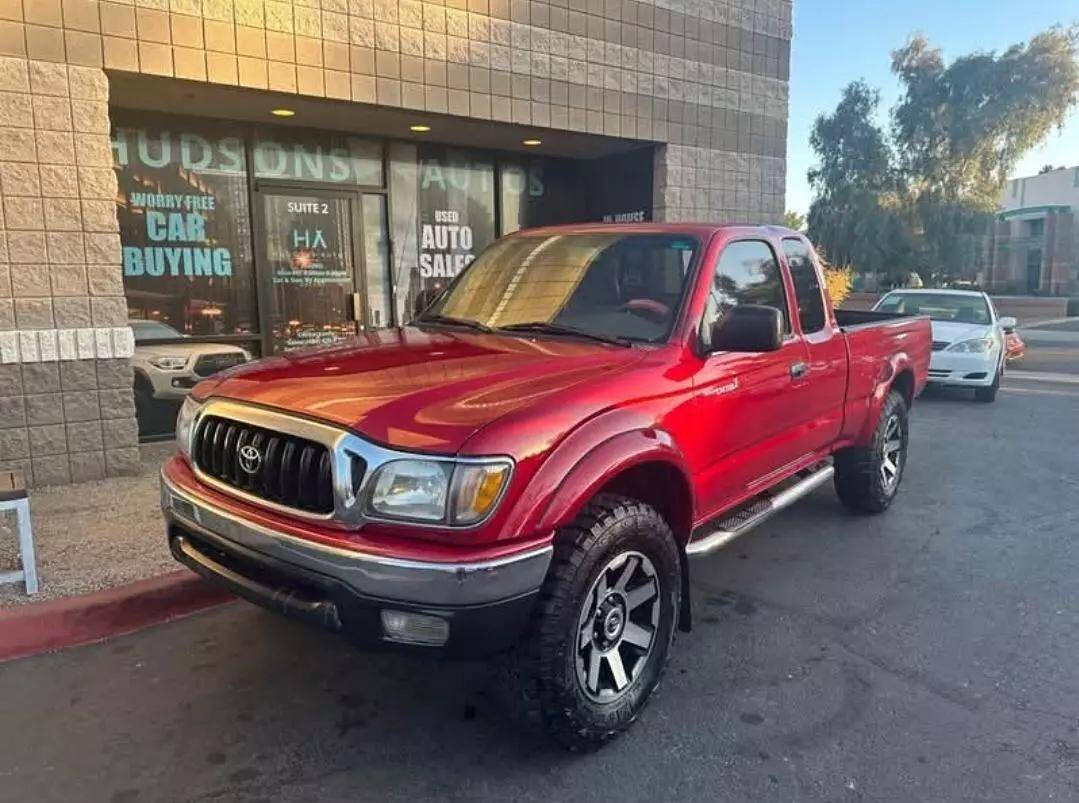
168 363
438 491
185 425
979 345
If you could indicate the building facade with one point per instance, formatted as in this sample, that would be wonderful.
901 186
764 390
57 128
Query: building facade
186 184
1035 242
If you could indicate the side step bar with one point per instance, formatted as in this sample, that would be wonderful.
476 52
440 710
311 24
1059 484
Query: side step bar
759 510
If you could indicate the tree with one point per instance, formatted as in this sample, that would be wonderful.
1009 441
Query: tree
857 215
921 197
1048 169
793 220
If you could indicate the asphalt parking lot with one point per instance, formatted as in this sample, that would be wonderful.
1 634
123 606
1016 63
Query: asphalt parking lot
928 654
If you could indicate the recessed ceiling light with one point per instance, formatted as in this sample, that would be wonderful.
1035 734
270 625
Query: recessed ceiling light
531 143
283 112
419 128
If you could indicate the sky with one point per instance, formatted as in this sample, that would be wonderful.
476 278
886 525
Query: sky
839 41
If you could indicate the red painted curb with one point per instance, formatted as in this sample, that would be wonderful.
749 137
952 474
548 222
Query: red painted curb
56 624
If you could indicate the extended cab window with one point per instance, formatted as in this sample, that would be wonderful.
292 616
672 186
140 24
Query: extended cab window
807 293
747 273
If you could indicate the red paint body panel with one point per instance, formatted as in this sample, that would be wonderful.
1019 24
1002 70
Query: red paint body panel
574 415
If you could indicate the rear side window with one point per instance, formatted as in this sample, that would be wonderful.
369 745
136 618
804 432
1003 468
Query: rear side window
807 290
747 273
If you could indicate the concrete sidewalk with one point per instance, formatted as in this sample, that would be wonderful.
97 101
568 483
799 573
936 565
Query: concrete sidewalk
94 535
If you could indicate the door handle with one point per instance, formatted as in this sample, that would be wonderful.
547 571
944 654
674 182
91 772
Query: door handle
798 369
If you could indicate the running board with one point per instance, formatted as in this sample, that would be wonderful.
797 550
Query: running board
756 512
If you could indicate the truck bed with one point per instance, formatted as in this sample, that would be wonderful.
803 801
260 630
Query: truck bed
849 319
874 340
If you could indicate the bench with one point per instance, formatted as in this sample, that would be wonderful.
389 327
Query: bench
14 496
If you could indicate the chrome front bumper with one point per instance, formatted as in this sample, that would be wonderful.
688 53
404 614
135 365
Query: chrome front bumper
370 576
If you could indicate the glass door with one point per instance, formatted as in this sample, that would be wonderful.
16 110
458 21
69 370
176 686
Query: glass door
310 245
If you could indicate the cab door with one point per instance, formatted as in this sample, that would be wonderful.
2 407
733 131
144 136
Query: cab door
747 403
821 409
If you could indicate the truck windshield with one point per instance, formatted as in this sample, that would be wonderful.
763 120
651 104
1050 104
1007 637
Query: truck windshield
956 308
604 285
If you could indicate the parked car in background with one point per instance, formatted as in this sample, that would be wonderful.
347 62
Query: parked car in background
527 467
968 336
166 372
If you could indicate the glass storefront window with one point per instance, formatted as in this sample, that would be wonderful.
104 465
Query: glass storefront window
320 158
185 228
376 252
309 256
444 214
540 193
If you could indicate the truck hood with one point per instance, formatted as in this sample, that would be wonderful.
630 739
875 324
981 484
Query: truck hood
427 390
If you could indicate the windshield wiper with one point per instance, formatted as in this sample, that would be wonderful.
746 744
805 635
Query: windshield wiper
451 321
563 329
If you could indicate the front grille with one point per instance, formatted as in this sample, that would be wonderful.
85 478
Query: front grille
289 470
210 364
940 345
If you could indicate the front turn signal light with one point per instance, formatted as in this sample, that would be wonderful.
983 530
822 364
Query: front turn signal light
477 487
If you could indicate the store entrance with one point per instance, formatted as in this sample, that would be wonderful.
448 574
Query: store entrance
324 265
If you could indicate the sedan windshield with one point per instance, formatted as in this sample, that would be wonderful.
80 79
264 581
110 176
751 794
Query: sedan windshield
603 286
954 308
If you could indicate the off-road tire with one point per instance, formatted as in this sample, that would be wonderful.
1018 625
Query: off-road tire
539 679
989 394
859 481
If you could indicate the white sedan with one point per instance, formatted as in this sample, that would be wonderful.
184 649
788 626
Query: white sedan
968 336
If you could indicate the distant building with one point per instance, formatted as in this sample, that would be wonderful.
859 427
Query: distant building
1035 244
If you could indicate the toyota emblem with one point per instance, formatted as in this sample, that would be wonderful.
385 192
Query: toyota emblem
250 459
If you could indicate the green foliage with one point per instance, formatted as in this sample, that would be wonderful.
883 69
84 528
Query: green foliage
792 220
921 196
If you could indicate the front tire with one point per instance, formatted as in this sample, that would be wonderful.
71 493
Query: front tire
601 635
867 479
989 394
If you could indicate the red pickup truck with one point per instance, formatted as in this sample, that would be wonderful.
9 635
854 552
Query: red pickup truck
527 468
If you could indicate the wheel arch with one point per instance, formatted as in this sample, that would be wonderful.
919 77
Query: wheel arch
904 383
643 464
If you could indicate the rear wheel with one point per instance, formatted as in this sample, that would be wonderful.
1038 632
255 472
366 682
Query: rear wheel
989 394
600 638
867 479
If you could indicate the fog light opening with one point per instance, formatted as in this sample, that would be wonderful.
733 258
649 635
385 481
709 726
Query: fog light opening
415 628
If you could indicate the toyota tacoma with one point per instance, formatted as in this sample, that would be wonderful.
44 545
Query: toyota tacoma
528 467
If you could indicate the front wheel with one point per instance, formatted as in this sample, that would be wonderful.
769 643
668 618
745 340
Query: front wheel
989 394
600 638
867 478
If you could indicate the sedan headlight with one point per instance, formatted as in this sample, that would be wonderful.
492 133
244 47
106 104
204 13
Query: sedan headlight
979 345
169 363
438 491
185 425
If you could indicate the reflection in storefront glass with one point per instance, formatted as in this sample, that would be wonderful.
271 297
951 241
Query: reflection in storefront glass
165 372
376 252
309 255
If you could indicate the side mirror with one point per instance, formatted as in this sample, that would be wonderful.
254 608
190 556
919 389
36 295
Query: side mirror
748 327
1008 324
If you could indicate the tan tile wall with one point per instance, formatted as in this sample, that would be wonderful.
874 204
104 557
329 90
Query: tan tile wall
59 267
